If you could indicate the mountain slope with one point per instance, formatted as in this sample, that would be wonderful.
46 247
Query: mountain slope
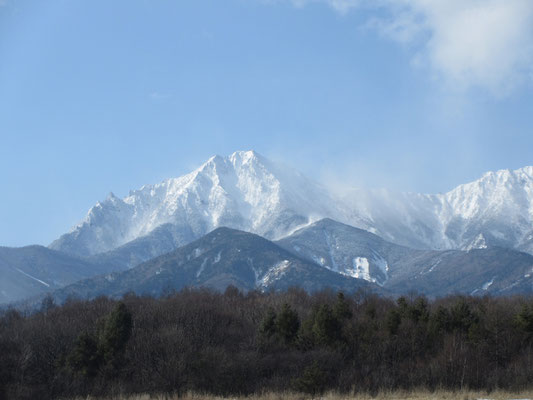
346 250
496 210
325 254
31 270
161 240
243 191
495 271
248 192
223 257
354 252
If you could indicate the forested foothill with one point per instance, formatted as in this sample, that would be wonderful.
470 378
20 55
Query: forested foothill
236 343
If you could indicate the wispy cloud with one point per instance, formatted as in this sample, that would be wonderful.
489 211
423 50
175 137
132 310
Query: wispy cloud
467 43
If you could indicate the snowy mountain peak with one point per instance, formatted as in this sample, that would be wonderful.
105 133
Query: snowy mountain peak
497 207
243 191
246 156
503 192
506 176
527 171
238 158
248 192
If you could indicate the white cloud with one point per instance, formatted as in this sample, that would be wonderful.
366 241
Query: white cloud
468 43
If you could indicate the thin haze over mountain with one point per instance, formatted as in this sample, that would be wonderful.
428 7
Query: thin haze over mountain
248 192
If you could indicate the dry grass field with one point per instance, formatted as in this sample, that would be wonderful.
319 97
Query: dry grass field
418 395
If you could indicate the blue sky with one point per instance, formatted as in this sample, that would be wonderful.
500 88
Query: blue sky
99 96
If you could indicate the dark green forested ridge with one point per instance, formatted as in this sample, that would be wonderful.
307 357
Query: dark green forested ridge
234 343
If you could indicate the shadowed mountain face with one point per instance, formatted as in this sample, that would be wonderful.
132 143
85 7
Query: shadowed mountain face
31 270
246 191
346 250
161 240
223 257
495 271
325 254
354 252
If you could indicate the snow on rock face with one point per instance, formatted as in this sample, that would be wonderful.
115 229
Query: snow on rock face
488 284
273 274
485 286
383 267
496 210
478 243
32 277
202 267
248 192
361 268
243 191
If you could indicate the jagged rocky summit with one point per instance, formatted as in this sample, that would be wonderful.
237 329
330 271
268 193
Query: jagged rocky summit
248 192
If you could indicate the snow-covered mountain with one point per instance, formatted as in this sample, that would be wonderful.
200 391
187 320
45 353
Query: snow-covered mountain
496 210
246 191
243 191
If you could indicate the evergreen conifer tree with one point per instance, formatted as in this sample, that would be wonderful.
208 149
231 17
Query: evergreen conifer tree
268 324
326 327
287 323
84 358
116 333
342 309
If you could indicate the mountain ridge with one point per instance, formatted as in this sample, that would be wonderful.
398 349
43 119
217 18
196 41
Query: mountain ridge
221 258
325 254
237 191
248 192
30 270
360 254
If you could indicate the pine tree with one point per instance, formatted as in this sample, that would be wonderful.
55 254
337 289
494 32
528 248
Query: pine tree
342 308
462 317
287 323
268 324
440 321
84 358
117 331
419 310
394 320
326 327
524 320
312 381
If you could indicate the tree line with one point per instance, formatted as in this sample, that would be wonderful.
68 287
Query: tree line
236 343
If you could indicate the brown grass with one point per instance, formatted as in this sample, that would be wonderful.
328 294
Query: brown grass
416 395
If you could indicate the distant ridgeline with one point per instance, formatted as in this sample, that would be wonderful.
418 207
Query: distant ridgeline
245 221
240 344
